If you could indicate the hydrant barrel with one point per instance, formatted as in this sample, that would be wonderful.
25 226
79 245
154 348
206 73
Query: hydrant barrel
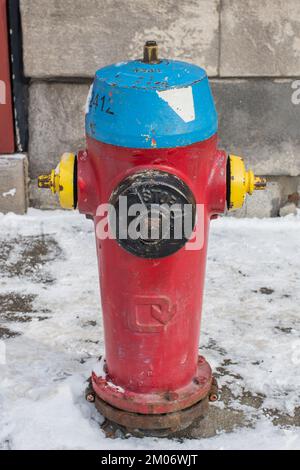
151 136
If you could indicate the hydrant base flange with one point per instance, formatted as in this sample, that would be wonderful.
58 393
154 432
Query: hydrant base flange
156 402
156 414
156 425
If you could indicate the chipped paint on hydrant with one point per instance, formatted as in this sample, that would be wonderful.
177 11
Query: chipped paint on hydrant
151 134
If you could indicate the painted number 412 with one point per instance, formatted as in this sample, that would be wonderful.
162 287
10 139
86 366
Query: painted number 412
103 103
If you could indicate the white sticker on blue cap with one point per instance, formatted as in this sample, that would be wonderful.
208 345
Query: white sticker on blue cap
181 100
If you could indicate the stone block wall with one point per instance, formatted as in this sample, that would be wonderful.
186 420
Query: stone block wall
250 49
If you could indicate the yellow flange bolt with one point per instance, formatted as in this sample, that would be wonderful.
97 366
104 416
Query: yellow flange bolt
241 182
62 181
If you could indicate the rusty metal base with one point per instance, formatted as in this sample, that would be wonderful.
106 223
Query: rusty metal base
153 402
155 424
158 425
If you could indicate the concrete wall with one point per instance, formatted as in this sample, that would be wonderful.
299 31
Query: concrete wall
250 49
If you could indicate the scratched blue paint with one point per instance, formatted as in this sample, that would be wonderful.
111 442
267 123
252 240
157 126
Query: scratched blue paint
127 110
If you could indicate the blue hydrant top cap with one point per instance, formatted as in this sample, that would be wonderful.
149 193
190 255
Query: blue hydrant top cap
138 74
151 105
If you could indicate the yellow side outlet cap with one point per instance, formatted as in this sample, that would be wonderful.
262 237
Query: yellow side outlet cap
61 181
241 182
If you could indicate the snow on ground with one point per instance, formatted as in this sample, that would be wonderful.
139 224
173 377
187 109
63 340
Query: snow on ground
51 334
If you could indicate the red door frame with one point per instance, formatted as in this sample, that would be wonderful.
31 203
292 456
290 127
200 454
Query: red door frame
7 140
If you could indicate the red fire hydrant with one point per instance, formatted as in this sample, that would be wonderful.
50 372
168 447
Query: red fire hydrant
151 144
